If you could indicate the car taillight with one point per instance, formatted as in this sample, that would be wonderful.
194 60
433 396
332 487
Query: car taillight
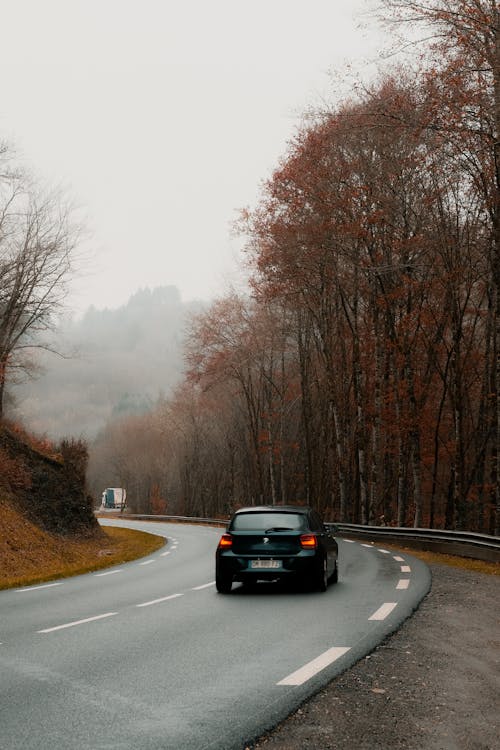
226 541
308 541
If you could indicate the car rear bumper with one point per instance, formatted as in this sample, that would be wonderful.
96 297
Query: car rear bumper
239 567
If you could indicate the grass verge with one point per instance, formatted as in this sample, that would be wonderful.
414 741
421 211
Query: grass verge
466 563
60 558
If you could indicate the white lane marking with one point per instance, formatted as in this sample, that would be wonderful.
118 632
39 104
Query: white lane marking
383 611
164 554
403 583
36 588
157 601
350 541
205 586
367 545
108 573
399 559
405 569
385 551
148 562
77 622
313 667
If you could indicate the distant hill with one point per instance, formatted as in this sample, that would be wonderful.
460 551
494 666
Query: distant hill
119 362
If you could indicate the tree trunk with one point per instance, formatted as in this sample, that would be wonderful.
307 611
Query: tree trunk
496 262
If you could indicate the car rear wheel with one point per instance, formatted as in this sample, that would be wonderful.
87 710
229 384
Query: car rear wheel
223 584
335 575
322 577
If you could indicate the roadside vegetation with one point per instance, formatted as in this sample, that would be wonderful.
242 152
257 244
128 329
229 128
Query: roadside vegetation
29 555
47 524
361 373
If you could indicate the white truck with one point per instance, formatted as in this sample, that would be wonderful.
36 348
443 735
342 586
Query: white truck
114 498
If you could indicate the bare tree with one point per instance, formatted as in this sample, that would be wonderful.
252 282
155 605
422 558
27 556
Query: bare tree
37 250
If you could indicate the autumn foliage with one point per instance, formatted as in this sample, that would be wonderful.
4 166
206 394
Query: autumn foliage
362 373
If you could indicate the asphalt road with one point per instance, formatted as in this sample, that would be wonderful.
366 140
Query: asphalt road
148 656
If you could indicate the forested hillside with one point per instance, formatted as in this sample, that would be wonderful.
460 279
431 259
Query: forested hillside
362 375
115 362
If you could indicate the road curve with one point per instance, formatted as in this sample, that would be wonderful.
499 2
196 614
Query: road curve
147 656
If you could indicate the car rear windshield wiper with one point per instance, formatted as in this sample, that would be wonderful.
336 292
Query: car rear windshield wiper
279 528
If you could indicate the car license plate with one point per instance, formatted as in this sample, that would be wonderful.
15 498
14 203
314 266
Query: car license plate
265 564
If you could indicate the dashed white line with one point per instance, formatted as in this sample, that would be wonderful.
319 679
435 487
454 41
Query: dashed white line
164 554
383 611
313 667
205 586
367 545
403 583
77 622
405 569
36 588
350 541
399 559
385 551
108 573
147 562
157 601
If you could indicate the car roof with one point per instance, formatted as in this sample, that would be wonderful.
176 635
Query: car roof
273 508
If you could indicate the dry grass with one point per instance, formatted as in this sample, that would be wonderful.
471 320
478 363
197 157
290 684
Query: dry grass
29 555
466 563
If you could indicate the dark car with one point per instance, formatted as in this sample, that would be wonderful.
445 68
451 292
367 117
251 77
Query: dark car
271 542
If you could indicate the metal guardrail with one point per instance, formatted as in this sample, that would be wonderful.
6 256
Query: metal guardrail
460 543
112 513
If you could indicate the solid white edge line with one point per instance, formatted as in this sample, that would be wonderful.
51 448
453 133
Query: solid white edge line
405 569
77 622
205 586
403 583
108 573
383 611
313 667
36 588
157 601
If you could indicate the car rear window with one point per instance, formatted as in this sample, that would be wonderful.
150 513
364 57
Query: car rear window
265 521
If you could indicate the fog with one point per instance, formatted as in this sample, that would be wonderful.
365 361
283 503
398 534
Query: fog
115 362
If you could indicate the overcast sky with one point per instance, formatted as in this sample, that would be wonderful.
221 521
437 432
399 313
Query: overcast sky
163 117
